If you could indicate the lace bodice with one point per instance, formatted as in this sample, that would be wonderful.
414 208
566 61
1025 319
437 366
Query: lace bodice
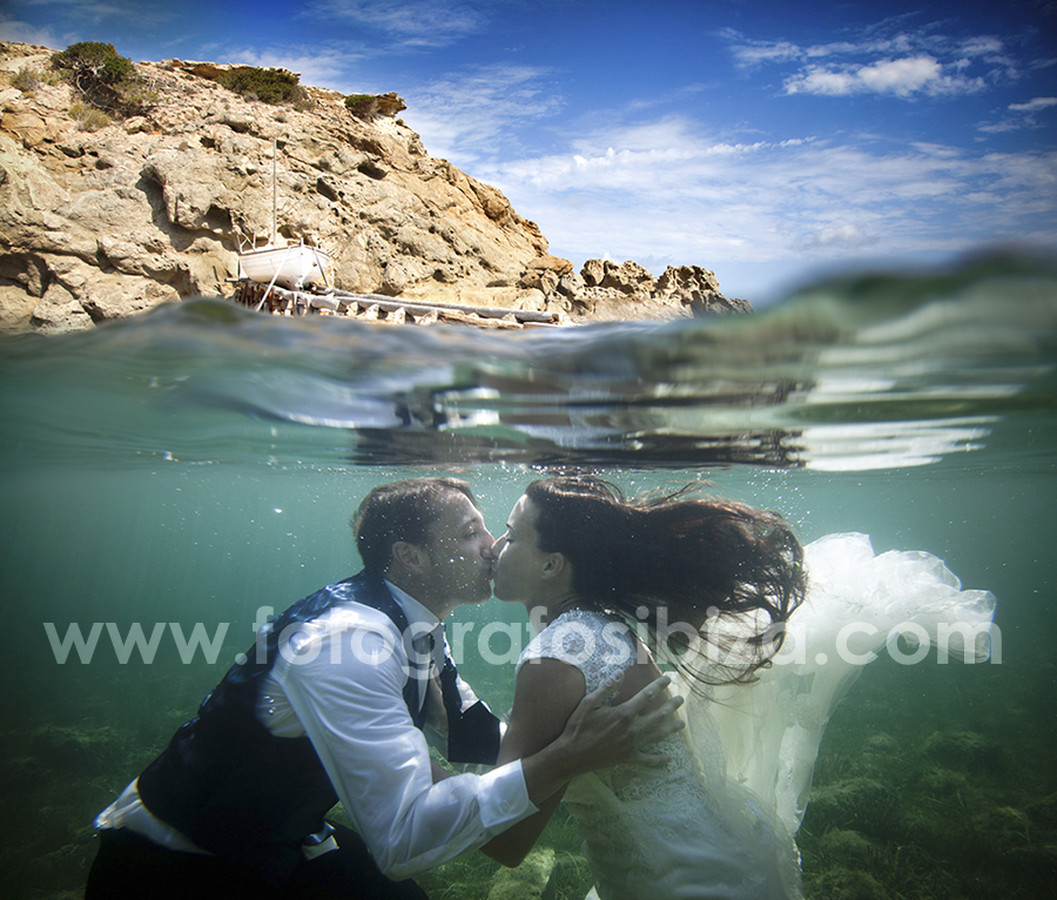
655 831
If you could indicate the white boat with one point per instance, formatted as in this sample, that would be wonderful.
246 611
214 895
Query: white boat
291 266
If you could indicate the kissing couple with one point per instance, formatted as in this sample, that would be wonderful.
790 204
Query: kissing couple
695 799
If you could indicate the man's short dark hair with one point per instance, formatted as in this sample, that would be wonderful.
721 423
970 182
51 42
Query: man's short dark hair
400 511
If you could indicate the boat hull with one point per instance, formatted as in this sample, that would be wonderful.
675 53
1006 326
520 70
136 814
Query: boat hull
289 267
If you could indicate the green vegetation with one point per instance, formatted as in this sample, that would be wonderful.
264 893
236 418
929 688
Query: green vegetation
88 118
266 85
361 105
27 79
104 79
913 799
254 83
364 106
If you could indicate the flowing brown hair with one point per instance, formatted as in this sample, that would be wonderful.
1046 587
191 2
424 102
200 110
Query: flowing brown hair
727 573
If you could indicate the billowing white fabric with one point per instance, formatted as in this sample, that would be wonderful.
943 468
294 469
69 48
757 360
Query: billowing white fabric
718 820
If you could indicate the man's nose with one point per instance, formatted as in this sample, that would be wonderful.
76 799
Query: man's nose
492 549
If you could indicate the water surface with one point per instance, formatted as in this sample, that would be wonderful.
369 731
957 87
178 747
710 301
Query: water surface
192 467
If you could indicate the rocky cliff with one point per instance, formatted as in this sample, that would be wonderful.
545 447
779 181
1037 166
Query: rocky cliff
103 218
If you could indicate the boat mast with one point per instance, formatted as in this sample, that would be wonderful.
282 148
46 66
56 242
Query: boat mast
275 195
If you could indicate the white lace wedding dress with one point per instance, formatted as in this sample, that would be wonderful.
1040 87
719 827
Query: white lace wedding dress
718 820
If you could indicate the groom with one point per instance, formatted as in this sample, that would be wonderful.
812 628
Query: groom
334 702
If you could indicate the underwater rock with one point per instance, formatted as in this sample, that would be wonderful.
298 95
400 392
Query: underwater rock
20 770
881 743
859 803
75 750
847 845
943 781
966 748
527 881
1004 831
847 884
1043 812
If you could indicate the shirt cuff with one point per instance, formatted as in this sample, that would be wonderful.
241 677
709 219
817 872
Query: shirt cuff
503 797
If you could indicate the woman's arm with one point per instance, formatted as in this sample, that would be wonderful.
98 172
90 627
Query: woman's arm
546 693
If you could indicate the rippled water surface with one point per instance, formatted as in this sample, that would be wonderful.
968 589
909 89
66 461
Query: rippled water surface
185 469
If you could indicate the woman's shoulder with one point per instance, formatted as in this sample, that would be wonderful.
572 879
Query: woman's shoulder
588 639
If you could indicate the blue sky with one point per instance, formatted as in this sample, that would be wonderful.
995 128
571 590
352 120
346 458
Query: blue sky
769 141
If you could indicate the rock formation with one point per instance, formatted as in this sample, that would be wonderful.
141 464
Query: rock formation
102 219
605 290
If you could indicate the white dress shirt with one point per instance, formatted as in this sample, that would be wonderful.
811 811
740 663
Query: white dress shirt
340 680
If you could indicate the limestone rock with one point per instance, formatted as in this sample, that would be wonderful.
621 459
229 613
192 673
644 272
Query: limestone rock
544 273
612 291
697 289
96 224
390 104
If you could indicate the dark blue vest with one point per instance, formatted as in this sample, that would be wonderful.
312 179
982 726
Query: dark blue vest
244 794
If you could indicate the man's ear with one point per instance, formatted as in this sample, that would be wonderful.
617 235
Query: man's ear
409 558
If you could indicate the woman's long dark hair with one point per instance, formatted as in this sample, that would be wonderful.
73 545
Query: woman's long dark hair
684 567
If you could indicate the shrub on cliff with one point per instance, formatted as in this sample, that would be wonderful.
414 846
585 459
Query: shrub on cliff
361 105
88 118
266 85
106 80
27 79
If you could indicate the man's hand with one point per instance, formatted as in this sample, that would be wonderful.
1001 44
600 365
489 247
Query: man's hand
600 734
596 734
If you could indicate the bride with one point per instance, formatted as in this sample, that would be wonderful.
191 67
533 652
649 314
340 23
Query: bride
760 634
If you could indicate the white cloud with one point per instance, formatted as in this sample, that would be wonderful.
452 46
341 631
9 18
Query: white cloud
755 53
688 196
1022 115
471 113
898 77
410 23
904 64
846 235
29 34
1034 105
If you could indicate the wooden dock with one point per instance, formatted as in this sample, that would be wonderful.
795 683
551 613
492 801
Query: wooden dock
384 310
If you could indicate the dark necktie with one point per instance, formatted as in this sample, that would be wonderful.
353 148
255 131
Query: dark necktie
473 734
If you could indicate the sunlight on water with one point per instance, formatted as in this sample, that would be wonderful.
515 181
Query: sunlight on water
198 464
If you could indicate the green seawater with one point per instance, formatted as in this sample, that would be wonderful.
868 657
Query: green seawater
168 477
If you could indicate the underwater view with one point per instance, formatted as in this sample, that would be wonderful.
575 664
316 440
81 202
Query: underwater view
169 481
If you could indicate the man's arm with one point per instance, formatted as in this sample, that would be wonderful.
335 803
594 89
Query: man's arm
352 709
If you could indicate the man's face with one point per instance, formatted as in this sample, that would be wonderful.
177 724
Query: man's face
459 551
518 563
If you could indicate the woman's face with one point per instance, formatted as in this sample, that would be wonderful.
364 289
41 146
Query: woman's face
518 563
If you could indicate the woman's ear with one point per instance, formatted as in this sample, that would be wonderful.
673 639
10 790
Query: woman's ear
554 566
